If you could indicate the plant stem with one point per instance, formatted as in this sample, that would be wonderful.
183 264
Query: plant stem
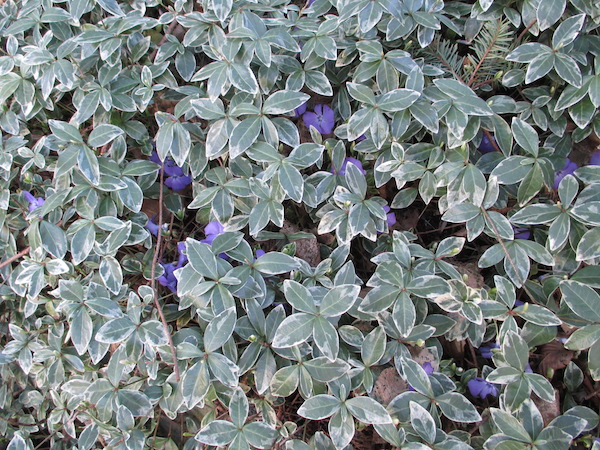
14 257
153 277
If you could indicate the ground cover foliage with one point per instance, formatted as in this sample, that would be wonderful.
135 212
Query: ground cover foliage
278 224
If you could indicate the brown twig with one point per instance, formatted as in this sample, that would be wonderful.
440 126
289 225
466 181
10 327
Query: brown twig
14 257
169 31
533 22
153 278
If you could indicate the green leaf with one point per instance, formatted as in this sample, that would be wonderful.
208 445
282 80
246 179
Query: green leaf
275 263
260 434
219 330
416 377
422 422
515 350
537 314
527 52
324 370
242 78
299 297
238 408
559 231
81 330
111 274
152 333
373 347
583 112
291 181
244 135
326 337
539 67
282 102
567 69
319 407
510 425
367 410
548 12
103 134
53 238
88 164
588 247
531 185
428 286
404 313
339 300
525 136
202 258
218 433
195 383
341 428
567 31
536 214
285 381
504 375
581 299
294 330
461 213
541 386
397 100
116 330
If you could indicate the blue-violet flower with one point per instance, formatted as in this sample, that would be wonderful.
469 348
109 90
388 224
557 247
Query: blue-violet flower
478 387
182 256
176 179
342 170
568 169
212 230
168 279
595 159
34 202
486 146
390 216
322 119
522 233
486 350
300 110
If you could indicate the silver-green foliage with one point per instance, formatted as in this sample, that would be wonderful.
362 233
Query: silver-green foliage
88 86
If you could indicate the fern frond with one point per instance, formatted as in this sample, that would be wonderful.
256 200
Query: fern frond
444 55
490 47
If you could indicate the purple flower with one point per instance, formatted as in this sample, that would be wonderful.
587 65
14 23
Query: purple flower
486 146
486 350
168 279
390 216
177 183
528 369
182 256
212 230
322 119
522 233
428 368
176 179
300 109
34 202
153 227
171 169
478 387
595 159
568 169
342 170
260 252
519 303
